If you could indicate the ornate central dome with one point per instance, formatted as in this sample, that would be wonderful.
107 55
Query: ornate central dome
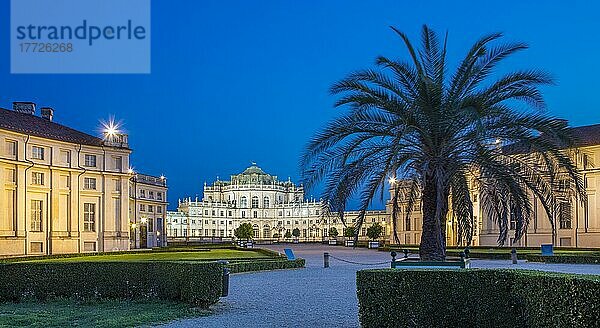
253 169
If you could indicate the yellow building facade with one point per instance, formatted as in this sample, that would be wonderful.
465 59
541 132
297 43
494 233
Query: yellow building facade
578 225
63 191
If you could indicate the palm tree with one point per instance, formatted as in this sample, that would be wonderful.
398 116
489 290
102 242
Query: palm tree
438 134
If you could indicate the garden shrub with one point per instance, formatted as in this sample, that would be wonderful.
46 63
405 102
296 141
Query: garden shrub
195 283
574 259
477 298
263 265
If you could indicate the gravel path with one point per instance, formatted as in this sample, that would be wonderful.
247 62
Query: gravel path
314 296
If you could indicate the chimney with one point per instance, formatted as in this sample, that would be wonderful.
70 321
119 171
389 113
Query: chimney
24 107
47 113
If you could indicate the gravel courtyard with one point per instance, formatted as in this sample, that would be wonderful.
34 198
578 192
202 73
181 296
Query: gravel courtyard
314 296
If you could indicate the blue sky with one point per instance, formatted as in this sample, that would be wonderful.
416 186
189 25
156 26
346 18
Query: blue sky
240 81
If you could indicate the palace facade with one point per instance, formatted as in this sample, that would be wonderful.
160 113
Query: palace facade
577 225
273 207
62 190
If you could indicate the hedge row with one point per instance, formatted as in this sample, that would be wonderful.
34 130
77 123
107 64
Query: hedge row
574 259
247 266
197 283
477 298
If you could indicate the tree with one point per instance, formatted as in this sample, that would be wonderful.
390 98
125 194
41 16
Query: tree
296 232
288 235
374 231
333 232
244 231
435 135
349 232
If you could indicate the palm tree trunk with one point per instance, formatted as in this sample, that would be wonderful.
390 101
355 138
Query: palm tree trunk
433 238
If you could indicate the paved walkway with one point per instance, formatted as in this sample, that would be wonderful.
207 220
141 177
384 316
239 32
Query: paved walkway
314 296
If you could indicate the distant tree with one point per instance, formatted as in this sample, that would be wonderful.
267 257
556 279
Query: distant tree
296 232
374 231
349 232
333 232
244 231
288 234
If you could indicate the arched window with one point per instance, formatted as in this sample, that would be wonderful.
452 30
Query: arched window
266 202
254 201
244 202
266 231
255 230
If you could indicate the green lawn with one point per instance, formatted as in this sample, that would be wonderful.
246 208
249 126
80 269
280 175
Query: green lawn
213 254
64 313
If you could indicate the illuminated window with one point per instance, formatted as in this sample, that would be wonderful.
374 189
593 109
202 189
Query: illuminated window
89 217
36 215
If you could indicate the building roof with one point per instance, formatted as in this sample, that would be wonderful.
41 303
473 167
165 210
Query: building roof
588 135
44 128
584 136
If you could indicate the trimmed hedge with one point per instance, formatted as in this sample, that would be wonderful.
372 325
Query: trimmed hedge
573 259
197 283
477 298
248 266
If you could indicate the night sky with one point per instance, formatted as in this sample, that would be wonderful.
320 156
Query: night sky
239 81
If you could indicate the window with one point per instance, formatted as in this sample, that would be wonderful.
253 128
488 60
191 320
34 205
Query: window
159 195
117 203
151 225
89 246
36 215
214 213
90 160
151 194
565 215
142 193
118 160
10 208
243 214
150 208
89 217
255 214
11 148
158 209
229 213
89 183
37 178
142 207
254 201
9 176
65 157
266 202
205 212
37 152
243 202
513 222
407 224
117 183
